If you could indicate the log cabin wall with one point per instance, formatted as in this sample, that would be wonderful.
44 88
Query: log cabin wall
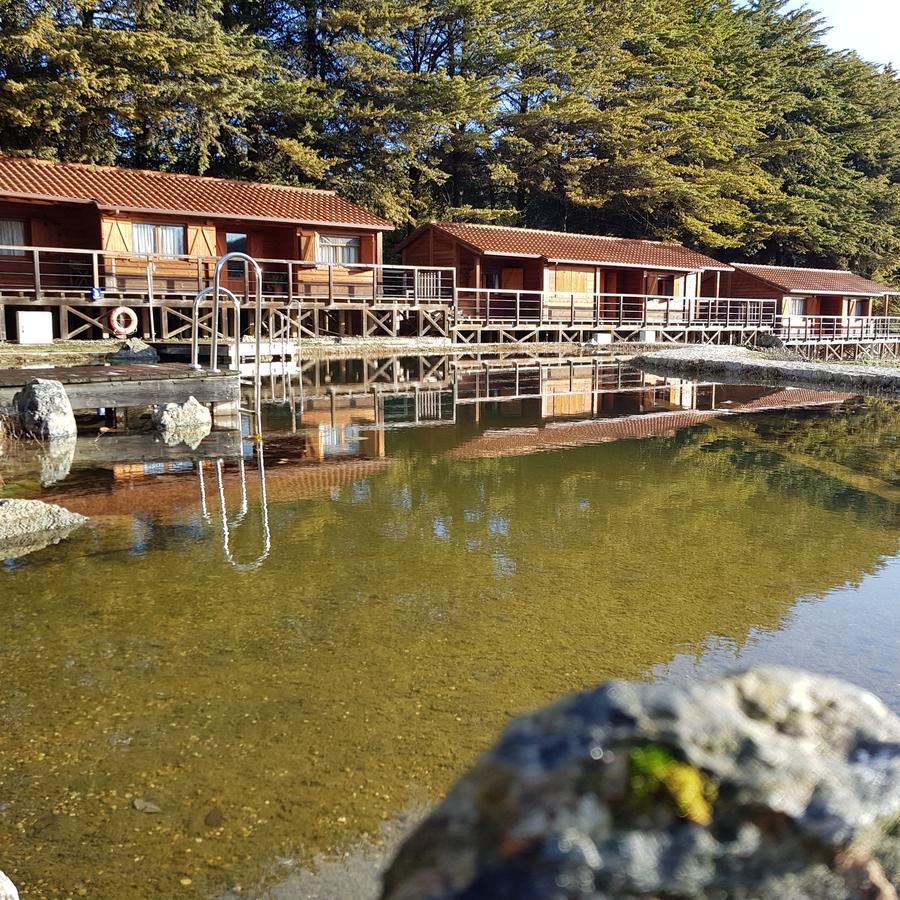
743 286
72 226
56 225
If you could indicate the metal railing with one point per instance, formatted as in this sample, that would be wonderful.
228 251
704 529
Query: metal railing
523 308
98 276
826 329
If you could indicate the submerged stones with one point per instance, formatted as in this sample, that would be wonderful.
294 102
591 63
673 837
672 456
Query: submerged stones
770 783
182 423
44 410
30 525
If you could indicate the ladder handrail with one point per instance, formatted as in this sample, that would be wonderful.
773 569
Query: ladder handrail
195 334
257 329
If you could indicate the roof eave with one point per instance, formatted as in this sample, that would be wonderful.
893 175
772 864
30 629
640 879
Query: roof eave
243 217
650 267
510 253
51 198
848 293
60 198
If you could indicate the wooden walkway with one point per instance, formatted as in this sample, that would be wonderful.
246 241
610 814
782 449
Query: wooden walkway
120 386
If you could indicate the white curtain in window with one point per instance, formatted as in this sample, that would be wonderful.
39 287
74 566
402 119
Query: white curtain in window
796 306
338 250
12 232
143 236
171 240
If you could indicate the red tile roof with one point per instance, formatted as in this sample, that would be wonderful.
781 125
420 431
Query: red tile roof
816 281
564 246
560 435
140 190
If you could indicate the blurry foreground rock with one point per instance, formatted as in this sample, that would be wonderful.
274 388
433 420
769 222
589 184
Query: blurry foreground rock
183 423
766 784
7 889
30 525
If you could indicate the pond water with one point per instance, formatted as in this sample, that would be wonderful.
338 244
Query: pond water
443 545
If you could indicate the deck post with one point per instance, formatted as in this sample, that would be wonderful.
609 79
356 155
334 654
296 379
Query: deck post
150 268
95 270
36 257
518 307
290 285
374 284
330 284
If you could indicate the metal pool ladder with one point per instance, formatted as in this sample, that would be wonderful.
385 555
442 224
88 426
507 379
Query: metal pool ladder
218 290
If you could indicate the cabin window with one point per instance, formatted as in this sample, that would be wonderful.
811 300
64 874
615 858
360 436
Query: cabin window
794 306
236 243
165 240
338 250
861 308
12 232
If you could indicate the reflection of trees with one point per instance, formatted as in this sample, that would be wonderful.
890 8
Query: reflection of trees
864 436
845 461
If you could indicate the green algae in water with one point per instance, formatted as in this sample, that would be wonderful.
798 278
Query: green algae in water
401 618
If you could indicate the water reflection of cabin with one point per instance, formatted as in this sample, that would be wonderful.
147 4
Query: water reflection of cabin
522 276
76 239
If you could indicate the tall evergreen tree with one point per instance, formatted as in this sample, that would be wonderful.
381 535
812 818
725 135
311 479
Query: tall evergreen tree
728 125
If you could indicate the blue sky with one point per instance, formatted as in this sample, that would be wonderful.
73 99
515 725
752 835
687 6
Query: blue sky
871 27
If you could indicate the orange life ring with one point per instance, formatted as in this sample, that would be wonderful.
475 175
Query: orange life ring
123 321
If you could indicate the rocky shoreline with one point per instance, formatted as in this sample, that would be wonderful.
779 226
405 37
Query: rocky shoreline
740 365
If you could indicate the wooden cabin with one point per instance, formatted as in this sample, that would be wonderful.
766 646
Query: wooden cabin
818 293
75 234
565 275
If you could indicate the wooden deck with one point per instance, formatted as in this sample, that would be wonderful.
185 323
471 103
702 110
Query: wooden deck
120 386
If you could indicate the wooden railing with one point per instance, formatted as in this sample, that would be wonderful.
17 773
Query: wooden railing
825 329
53 274
524 308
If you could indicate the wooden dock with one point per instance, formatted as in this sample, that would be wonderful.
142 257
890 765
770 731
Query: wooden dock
122 386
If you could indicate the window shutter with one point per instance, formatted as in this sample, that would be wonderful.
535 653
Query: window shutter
116 235
201 240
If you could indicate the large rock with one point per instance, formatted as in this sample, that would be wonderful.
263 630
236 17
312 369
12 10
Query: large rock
766 784
30 525
134 350
183 423
44 409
